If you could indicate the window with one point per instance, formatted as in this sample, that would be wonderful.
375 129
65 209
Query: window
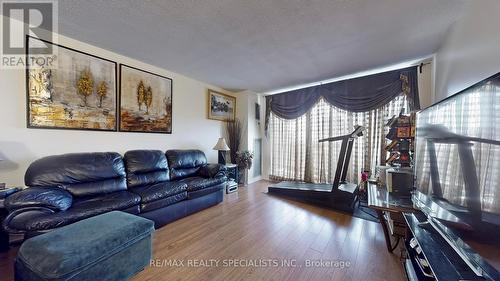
297 155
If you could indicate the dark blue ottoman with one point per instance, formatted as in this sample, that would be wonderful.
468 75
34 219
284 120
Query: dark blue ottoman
112 246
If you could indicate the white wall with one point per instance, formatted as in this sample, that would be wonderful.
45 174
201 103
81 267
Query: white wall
471 51
19 146
266 143
425 85
255 128
252 129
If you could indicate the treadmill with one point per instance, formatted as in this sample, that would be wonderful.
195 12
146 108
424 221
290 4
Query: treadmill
340 195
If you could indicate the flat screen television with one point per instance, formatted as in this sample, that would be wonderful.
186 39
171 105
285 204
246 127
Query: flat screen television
457 172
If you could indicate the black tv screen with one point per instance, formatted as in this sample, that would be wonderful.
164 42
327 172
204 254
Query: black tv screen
457 166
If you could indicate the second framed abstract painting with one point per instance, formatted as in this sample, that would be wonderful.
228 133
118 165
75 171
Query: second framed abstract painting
145 101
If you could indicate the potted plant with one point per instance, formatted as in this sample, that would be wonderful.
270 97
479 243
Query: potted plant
233 130
244 161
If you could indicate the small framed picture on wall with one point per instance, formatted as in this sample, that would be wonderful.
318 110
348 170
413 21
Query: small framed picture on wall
221 107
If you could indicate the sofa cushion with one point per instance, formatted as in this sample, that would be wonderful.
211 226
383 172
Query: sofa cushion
164 202
83 208
82 174
145 167
112 201
185 163
199 183
159 190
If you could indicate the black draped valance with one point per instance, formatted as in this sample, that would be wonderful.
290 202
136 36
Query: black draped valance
356 95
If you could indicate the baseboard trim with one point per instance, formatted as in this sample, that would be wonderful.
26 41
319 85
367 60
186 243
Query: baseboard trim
256 179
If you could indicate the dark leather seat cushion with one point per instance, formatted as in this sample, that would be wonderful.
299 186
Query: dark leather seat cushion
164 202
115 201
84 208
158 191
199 183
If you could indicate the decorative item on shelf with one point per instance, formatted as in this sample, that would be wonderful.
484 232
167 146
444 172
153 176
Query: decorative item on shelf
80 93
221 107
402 136
233 131
398 176
222 147
145 101
244 161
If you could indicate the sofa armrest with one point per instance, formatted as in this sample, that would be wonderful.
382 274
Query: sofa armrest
17 220
53 198
212 171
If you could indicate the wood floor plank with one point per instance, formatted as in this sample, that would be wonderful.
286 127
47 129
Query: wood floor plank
252 226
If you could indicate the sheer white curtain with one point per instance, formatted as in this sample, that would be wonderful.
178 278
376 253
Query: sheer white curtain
297 154
475 114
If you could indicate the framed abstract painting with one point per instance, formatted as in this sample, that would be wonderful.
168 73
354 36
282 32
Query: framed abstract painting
145 101
77 92
221 107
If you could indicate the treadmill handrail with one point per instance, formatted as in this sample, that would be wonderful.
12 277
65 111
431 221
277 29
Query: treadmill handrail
353 135
335 138
344 155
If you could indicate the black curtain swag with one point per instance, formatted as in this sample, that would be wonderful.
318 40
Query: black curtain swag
356 95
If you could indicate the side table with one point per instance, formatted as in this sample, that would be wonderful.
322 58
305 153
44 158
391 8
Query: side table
4 236
386 204
232 178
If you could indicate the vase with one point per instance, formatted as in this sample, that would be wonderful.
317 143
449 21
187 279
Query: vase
245 177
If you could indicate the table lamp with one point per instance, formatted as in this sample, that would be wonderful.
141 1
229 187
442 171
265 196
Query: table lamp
222 147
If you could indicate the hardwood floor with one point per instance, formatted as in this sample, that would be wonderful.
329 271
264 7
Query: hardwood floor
253 228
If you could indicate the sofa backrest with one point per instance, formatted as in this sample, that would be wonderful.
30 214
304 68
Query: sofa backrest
81 174
145 167
185 163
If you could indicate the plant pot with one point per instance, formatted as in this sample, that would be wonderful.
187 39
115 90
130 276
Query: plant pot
244 177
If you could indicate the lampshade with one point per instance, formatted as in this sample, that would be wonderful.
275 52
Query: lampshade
221 145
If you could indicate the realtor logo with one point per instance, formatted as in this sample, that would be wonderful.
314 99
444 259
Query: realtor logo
20 18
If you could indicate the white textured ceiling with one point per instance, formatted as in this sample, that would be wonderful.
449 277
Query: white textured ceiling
262 45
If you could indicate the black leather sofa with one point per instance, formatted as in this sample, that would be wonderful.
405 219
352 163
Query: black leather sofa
159 186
